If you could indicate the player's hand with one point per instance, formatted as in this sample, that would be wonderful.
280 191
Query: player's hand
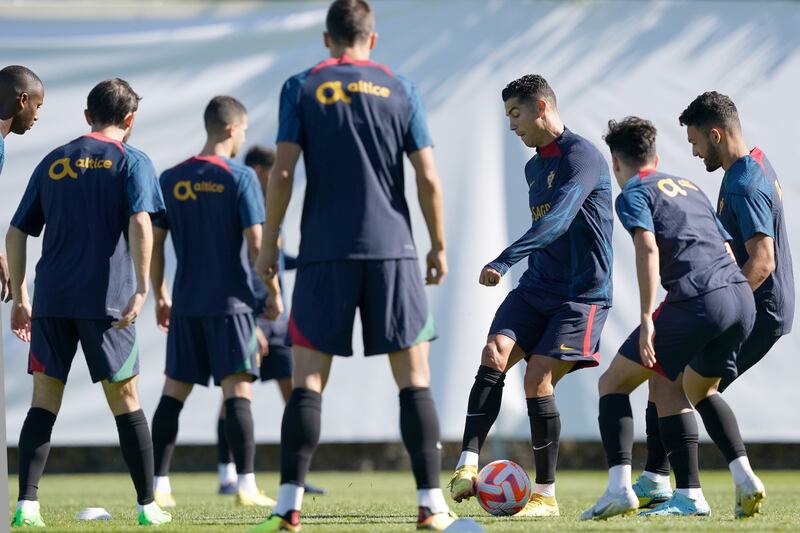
131 310
263 345
21 321
267 262
163 310
436 262
5 279
273 308
647 335
489 277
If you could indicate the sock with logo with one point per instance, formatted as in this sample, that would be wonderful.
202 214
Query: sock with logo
657 462
680 437
137 450
240 434
34 447
483 407
300 430
721 425
165 432
616 428
545 432
419 427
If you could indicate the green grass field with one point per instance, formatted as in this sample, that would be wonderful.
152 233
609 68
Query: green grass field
380 501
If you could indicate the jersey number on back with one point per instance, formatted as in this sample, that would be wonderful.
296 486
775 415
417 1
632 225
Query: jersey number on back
672 189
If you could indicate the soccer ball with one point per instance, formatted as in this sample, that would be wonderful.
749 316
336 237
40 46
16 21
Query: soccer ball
503 488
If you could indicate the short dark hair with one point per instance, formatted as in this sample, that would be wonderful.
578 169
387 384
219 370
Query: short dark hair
20 79
529 88
110 101
221 112
259 155
633 139
711 109
349 21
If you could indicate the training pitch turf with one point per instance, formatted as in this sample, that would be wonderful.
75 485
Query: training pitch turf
377 501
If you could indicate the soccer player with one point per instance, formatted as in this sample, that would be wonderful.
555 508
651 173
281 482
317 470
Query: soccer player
21 96
274 322
94 197
553 319
353 120
750 207
692 338
214 205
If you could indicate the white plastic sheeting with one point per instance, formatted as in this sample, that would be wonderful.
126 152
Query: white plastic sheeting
604 60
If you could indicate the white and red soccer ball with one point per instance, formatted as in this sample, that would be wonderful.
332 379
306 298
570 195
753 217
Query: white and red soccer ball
503 488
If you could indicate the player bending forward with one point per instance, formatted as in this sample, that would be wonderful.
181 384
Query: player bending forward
93 197
693 337
554 318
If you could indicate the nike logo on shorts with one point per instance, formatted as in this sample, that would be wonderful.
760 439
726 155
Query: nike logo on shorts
566 348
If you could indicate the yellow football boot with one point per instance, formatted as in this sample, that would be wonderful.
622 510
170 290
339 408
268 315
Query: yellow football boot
462 484
258 499
540 505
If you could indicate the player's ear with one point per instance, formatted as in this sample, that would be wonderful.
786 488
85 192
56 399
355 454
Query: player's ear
88 117
657 161
127 122
373 38
615 163
541 107
326 38
715 135
23 100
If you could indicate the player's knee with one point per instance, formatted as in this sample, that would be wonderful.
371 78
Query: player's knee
47 393
537 383
122 397
492 357
237 386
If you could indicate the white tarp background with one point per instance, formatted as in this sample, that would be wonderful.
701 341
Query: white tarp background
604 60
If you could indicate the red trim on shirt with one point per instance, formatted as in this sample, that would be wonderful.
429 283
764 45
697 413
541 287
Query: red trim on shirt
549 150
587 338
758 155
102 138
344 60
213 159
644 173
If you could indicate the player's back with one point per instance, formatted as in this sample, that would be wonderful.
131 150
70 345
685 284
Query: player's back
210 202
693 259
750 202
354 121
83 193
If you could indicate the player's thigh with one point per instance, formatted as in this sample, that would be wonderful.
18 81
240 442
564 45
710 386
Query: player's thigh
122 396
571 335
188 355
311 368
237 385
47 392
393 306
111 354
54 342
324 304
410 367
542 373
622 376
516 319
232 347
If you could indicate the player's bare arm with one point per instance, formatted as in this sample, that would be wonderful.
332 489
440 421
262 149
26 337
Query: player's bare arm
16 245
162 296
140 235
5 287
279 192
761 263
647 273
429 193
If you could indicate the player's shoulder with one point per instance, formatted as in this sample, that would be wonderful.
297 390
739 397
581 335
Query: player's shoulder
575 146
747 175
135 157
240 171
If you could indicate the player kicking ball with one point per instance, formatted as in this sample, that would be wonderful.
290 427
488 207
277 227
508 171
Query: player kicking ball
214 205
691 339
93 197
750 207
553 319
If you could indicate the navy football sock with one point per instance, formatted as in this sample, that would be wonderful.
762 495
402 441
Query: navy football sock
224 454
483 407
239 431
299 434
679 434
616 428
34 447
657 462
721 425
137 450
545 422
419 426
165 432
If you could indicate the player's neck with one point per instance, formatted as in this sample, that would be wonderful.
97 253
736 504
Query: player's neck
359 53
553 129
216 148
5 126
731 152
112 132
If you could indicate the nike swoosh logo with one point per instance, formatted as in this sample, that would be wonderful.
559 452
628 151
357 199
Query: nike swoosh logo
476 414
566 348
542 447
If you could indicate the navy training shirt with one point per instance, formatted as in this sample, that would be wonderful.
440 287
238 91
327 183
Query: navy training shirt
210 202
2 153
751 202
354 120
569 244
83 195
691 241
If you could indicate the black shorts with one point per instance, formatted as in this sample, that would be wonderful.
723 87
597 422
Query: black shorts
705 332
278 362
755 347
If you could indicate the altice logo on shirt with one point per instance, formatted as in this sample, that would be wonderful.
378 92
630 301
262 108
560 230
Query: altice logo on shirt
61 168
185 190
331 92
